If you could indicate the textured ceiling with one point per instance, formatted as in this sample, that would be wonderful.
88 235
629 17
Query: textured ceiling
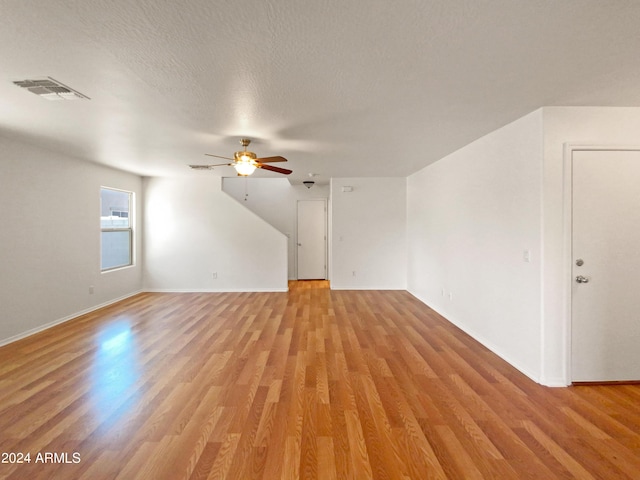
340 88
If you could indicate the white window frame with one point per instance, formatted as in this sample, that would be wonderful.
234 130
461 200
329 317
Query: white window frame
128 229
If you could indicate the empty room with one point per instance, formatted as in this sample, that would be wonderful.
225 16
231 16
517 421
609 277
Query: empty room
319 240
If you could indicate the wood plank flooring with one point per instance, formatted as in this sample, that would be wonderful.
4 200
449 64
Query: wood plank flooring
310 384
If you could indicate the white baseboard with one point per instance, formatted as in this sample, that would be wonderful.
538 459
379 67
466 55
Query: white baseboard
486 343
46 326
554 382
205 290
367 287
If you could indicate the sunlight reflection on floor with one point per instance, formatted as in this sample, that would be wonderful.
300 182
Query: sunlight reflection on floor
116 366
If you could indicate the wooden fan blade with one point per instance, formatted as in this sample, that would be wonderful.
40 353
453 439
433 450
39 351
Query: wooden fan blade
218 156
271 159
271 168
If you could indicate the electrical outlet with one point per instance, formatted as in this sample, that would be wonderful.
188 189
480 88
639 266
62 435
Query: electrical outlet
443 292
450 295
353 273
91 289
214 275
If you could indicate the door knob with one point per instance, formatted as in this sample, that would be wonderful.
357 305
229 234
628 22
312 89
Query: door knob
299 244
581 279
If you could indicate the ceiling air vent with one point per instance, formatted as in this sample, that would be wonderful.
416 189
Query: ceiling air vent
201 167
50 89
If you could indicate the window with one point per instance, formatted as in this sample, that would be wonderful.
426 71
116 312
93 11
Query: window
116 237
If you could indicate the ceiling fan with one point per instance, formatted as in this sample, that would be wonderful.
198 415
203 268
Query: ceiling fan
246 162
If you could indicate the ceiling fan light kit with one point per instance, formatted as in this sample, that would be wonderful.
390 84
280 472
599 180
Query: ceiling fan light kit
244 169
245 162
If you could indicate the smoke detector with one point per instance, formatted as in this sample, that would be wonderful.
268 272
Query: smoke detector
50 89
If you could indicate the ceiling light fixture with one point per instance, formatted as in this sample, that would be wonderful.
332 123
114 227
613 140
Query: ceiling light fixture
245 163
308 183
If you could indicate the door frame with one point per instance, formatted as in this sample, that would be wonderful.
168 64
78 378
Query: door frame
326 233
567 254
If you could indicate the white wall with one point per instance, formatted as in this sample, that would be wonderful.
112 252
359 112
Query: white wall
275 200
598 126
193 229
471 217
50 239
368 234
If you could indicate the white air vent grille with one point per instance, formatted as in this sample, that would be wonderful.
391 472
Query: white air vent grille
50 89
201 167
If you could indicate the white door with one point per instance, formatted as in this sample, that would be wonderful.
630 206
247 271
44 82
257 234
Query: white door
312 240
605 323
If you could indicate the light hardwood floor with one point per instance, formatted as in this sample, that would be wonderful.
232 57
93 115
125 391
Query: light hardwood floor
307 384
